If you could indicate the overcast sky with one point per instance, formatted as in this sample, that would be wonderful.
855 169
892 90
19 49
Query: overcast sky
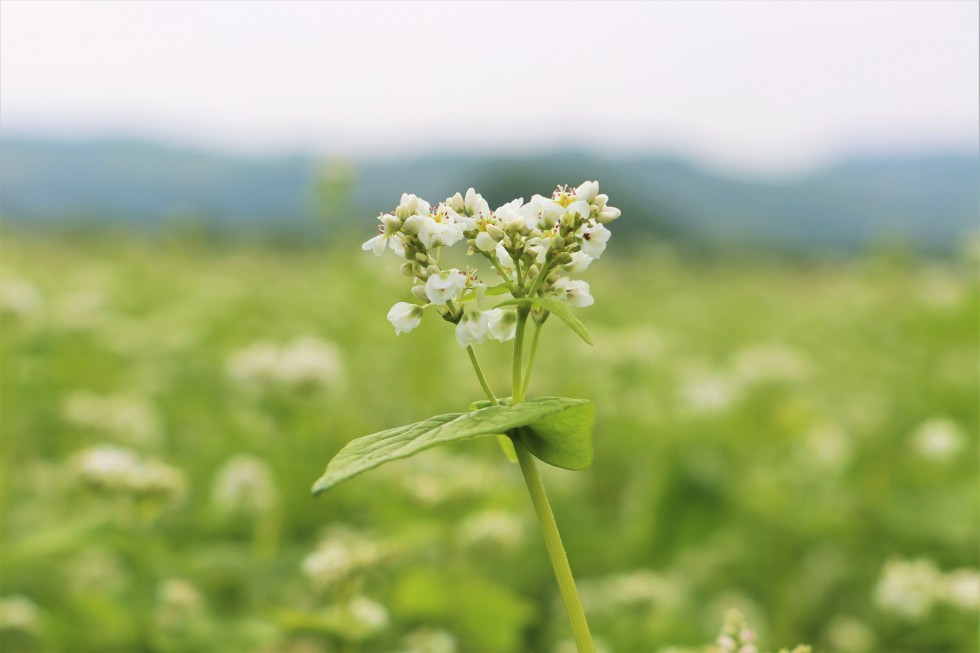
760 87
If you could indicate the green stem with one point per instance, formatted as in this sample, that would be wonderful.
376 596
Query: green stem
546 518
500 270
517 395
530 357
479 375
540 278
556 552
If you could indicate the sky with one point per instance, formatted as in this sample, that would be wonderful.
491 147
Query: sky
757 87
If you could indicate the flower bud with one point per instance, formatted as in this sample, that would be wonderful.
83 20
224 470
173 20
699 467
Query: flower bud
408 269
564 258
557 243
495 232
391 223
419 292
608 214
587 191
422 257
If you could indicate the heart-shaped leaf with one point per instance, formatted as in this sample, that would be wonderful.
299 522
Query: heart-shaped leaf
563 438
556 307
552 419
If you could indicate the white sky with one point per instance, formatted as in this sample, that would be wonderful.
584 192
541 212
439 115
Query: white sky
757 86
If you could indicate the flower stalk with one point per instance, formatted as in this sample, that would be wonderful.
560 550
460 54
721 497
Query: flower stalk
533 248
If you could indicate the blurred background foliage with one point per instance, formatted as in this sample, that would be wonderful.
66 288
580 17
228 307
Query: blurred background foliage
792 436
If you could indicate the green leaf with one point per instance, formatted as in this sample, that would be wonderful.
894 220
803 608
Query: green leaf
563 438
556 307
543 414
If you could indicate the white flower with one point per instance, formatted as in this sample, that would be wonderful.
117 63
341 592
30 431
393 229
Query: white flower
475 205
574 292
510 216
405 317
376 244
580 261
445 286
501 324
485 242
506 262
389 236
542 213
594 239
587 191
472 329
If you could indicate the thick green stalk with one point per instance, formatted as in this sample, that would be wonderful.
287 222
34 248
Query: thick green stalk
556 552
517 394
546 518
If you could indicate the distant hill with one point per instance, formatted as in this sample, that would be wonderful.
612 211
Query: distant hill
927 199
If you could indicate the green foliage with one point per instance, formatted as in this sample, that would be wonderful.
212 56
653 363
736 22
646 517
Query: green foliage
770 435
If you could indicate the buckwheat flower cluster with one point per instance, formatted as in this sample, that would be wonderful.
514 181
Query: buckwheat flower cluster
120 471
245 484
533 249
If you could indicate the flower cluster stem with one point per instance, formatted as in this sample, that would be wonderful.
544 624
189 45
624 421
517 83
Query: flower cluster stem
480 376
530 357
516 384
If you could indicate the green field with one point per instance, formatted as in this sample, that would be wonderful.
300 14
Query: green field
795 439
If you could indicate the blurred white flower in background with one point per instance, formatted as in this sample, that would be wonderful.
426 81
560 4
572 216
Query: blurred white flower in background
911 588
827 447
770 363
569 646
849 635
939 439
178 602
428 640
129 419
367 615
641 587
497 528
97 570
342 553
438 477
79 309
708 392
20 297
18 612
961 589
939 287
245 484
122 471
304 361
